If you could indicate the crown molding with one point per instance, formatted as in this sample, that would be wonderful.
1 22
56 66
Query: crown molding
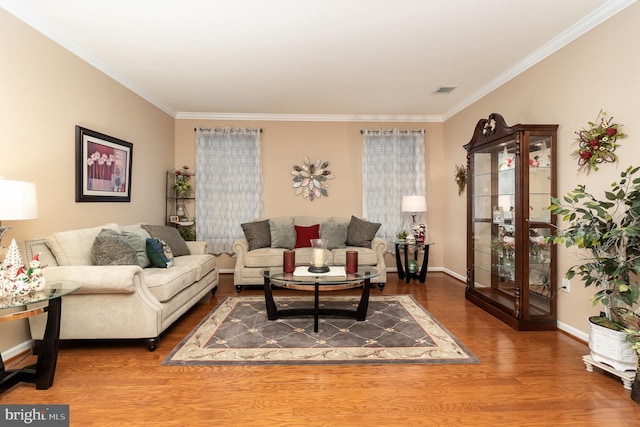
308 117
586 24
15 8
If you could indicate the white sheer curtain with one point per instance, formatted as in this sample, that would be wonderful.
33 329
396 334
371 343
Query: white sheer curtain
393 166
228 184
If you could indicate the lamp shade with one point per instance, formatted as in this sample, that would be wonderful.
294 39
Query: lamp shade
414 203
18 200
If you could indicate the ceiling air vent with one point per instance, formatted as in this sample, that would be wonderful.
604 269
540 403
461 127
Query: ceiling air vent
444 90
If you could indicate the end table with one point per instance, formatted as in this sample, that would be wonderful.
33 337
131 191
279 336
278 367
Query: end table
403 271
43 371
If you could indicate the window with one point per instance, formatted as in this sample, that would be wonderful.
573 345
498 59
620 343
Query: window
392 166
228 184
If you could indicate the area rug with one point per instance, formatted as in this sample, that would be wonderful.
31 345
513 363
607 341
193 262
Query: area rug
397 330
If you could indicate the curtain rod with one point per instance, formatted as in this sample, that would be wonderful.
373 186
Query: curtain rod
391 131
195 129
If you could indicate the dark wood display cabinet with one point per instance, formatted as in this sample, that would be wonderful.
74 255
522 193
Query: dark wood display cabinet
511 271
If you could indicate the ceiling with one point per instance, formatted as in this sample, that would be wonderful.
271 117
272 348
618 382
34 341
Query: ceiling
313 59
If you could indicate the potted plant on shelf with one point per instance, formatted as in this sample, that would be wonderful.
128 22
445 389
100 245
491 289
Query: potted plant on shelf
608 229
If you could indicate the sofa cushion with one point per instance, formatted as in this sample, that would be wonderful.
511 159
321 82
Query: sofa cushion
335 233
73 247
170 236
305 234
137 237
165 284
265 257
361 232
366 256
112 248
257 233
283 235
202 264
159 253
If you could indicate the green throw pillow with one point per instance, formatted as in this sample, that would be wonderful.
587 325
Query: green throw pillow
159 253
137 238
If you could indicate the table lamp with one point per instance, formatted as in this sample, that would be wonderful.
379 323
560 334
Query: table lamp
414 204
18 201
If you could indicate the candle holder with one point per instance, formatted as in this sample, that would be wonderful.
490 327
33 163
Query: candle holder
289 261
352 262
318 256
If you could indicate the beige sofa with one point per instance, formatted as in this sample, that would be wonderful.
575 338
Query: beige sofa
120 301
250 263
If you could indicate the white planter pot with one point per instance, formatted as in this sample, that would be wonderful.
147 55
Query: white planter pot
610 347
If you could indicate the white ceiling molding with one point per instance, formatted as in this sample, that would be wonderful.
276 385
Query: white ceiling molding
308 117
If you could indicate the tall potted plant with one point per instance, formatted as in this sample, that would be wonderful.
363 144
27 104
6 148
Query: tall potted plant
607 228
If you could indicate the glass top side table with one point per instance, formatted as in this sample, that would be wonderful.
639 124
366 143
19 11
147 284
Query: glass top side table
42 372
404 272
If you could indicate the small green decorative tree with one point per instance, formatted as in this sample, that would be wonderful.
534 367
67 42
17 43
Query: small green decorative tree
608 229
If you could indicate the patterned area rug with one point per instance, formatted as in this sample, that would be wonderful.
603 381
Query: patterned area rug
397 330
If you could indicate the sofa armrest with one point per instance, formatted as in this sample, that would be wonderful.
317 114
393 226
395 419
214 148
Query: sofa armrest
198 247
379 245
97 279
241 248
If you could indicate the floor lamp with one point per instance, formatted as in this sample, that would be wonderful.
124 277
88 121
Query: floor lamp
18 201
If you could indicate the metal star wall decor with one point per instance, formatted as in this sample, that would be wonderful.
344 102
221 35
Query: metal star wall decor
310 179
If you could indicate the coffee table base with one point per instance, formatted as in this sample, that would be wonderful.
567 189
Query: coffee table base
360 313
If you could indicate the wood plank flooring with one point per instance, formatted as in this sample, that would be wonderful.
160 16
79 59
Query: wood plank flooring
523 379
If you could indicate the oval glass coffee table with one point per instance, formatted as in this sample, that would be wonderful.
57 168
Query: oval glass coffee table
301 279
43 371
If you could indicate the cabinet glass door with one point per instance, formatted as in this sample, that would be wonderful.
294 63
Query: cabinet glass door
539 259
494 234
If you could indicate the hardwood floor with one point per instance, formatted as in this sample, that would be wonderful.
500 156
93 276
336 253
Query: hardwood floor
523 379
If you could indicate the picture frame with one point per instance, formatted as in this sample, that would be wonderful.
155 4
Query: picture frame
174 218
103 167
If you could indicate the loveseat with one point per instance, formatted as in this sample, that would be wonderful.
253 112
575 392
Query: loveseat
265 241
137 300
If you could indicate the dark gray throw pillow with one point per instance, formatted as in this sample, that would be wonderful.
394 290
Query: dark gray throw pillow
112 248
257 233
361 233
170 236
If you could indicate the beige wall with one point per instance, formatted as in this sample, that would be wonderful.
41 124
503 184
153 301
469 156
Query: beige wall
285 144
599 70
45 91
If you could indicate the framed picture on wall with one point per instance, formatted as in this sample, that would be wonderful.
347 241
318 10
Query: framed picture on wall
103 167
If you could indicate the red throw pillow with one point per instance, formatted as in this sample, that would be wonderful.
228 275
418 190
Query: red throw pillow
305 234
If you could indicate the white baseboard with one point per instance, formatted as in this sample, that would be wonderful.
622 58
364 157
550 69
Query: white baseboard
17 350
